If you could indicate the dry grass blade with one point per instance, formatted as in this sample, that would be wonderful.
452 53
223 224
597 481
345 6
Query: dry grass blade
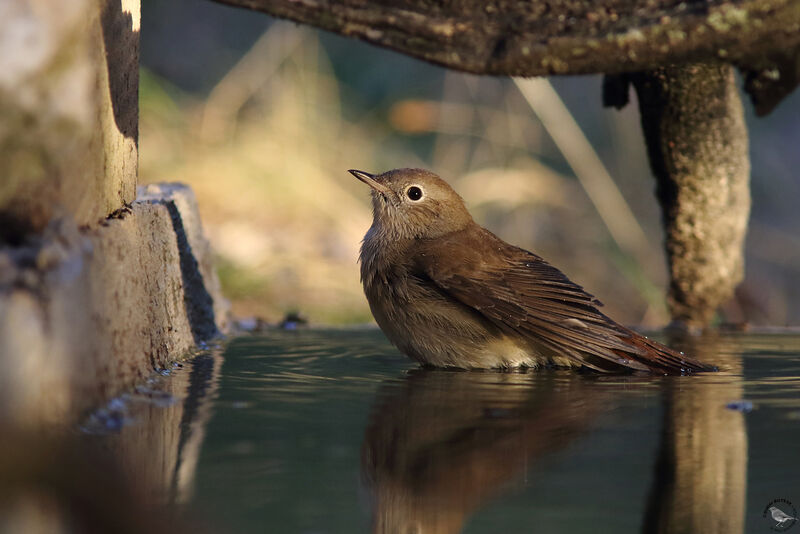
263 59
592 174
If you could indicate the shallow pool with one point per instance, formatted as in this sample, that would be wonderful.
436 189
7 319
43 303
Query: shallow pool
316 431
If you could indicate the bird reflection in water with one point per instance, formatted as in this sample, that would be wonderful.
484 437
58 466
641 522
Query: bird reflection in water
442 443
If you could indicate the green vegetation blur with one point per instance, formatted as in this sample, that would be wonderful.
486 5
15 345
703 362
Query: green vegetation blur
263 118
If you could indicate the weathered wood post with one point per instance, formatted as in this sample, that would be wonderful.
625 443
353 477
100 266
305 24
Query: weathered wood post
696 139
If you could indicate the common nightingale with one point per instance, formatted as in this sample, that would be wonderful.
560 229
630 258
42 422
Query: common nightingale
449 293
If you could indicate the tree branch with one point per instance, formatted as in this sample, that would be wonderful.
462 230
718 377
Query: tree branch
543 37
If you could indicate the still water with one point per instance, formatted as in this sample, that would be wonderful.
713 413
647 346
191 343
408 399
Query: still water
320 431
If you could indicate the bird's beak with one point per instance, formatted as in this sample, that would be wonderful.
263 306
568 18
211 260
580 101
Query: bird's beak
370 180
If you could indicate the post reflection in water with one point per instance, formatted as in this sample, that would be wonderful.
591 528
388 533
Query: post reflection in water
701 471
442 443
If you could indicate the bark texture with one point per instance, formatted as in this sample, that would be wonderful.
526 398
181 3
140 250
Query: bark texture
696 137
541 37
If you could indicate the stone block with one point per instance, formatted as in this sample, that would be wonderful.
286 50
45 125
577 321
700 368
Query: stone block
88 313
205 311
68 111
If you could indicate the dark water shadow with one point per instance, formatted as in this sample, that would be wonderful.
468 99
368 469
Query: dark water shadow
197 407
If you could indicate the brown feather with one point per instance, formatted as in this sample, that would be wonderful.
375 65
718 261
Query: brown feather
449 293
520 292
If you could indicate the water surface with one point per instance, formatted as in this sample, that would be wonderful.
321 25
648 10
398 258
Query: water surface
335 431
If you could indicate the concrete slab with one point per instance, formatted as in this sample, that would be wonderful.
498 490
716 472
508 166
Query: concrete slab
86 314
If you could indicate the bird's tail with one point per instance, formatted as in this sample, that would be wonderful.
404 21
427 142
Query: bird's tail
660 358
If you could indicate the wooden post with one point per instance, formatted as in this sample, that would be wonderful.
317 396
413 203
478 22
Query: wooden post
697 143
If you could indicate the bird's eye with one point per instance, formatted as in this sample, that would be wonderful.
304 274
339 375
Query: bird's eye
414 193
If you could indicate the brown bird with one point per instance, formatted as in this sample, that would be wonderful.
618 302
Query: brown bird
449 293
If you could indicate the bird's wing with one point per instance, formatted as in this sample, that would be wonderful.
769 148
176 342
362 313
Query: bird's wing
521 293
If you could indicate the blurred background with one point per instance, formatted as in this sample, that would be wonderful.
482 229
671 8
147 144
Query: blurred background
263 118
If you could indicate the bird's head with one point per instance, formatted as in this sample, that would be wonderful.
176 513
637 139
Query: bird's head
414 203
